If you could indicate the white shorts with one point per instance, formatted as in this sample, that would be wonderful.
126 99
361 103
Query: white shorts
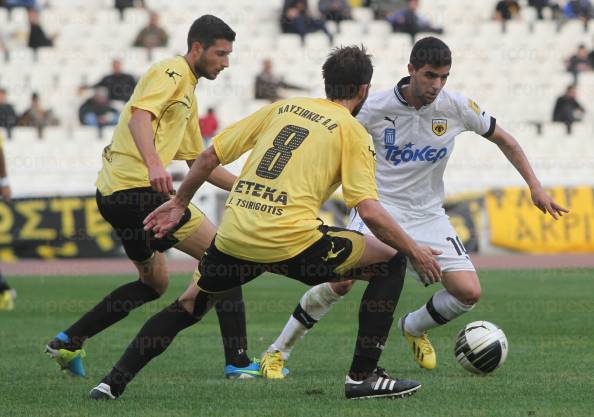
436 231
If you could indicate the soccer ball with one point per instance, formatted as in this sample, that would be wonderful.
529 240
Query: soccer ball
480 347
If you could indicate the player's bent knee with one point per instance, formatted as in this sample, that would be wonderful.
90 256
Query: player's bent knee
187 302
159 284
203 302
470 295
342 287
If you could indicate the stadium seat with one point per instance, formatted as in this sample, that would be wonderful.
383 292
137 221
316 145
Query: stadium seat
516 76
378 30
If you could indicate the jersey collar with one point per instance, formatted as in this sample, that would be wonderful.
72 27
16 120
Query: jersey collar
398 90
191 72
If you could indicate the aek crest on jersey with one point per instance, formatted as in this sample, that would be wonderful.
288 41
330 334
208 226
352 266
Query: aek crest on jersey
439 126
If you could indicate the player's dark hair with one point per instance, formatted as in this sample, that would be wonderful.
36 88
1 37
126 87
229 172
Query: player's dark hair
207 29
346 69
430 51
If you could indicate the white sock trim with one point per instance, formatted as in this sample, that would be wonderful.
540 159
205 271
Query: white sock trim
449 306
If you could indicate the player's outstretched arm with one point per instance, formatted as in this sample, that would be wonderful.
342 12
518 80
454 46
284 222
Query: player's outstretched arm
514 153
167 216
220 177
388 231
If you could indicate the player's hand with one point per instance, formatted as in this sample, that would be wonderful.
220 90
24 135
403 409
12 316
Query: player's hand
546 204
424 262
6 193
160 179
163 219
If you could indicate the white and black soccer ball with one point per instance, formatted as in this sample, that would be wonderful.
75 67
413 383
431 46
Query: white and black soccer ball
480 347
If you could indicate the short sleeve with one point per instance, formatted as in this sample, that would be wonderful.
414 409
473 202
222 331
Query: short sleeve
241 136
358 167
475 118
155 91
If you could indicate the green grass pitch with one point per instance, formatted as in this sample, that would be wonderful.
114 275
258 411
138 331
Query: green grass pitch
547 316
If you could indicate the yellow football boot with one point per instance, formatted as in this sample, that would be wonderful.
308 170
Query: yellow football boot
272 365
421 346
6 301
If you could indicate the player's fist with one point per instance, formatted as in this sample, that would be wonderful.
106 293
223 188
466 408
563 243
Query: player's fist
160 179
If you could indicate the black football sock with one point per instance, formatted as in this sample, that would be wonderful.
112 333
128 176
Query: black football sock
3 284
231 312
113 308
376 314
153 339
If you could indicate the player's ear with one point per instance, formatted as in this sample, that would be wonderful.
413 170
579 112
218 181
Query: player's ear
363 91
411 70
197 48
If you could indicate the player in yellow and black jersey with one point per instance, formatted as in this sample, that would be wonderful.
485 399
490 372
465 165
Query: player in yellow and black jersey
301 150
159 124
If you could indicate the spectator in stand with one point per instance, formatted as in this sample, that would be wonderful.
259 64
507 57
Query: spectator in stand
28 4
383 8
152 35
268 84
540 5
13 4
37 116
507 10
209 124
407 20
97 112
579 62
296 18
119 84
567 109
8 116
121 5
335 10
579 9
37 36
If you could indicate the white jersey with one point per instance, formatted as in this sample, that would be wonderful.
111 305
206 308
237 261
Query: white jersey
413 146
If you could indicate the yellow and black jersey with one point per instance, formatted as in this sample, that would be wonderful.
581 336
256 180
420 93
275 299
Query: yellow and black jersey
166 91
302 150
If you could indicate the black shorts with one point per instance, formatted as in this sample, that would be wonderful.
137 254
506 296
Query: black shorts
125 210
328 259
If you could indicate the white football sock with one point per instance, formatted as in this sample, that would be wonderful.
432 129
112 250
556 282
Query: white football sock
314 304
439 310
291 334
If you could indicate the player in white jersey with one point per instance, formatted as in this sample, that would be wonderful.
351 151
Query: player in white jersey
413 127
